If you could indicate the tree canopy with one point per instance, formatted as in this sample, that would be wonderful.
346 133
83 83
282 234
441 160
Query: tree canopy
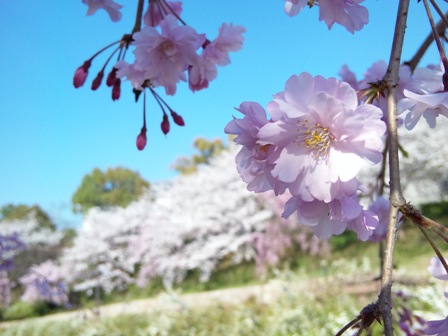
115 187
11 212
207 149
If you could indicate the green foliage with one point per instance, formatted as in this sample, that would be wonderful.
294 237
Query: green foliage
207 150
343 241
13 212
116 187
69 235
437 211
19 310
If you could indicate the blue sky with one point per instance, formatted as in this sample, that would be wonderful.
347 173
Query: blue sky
52 135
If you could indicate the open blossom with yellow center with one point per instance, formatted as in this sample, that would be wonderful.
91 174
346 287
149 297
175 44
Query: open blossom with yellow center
314 137
322 137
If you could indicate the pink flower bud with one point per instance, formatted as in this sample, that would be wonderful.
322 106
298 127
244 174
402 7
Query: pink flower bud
81 74
116 90
141 139
111 77
97 81
165 125
177 119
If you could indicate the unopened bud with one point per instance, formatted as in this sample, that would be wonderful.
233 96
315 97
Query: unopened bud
110 80
116 90
81 74
177 119
97 81
141 139
165 125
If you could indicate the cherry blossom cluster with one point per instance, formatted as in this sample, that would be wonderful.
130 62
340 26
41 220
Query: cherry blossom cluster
421 93
348 13
314 144
166 51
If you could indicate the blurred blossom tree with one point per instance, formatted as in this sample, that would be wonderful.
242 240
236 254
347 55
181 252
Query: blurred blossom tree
183 226
115 187
41 243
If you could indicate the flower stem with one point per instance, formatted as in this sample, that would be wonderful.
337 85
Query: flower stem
396 197
138 17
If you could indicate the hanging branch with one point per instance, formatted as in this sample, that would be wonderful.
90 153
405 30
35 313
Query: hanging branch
396 197
415 60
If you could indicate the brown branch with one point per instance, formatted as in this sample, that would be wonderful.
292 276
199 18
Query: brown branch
138 17
396 197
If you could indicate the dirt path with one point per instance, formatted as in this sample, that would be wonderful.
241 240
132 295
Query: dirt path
266 293
169 301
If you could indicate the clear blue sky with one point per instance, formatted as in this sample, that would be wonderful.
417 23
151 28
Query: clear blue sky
52 135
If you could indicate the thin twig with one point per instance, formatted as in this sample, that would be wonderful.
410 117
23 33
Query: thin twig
349 325
435 248
415 60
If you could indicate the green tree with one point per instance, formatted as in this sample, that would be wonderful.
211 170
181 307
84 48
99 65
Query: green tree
116 187
207 149
13 212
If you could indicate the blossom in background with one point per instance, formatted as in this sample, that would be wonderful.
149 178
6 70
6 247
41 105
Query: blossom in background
110 6
380 206
45 282
348 13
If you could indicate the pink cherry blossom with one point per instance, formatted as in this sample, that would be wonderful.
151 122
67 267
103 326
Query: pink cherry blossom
157 10
110 6
364 225
293 7
437 327
324 219
164 57
133 74
202 73
229 39
215 53
327 219
251 159
437 270
424 97
380 207
347 13
322 136
428 106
